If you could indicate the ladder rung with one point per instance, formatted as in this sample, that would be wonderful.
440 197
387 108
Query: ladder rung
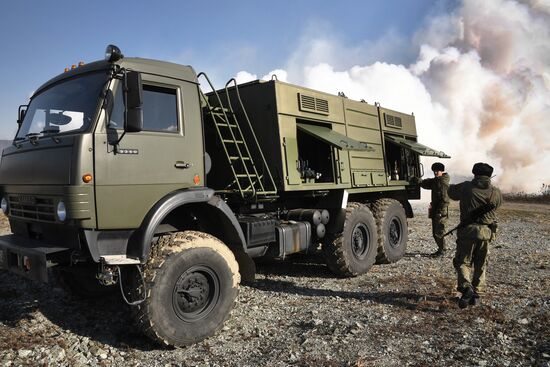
237 158
233 141
225 125
220 109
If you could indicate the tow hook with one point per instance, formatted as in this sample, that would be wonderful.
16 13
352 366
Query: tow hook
107 275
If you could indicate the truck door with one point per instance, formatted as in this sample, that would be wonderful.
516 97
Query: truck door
166 155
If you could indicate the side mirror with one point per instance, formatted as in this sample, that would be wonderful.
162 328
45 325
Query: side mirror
21 114
134 101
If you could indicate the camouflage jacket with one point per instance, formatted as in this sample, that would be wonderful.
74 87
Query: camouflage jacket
475 193
438 186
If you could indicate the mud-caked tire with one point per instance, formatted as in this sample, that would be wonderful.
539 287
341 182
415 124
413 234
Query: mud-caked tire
353 252
81 282
393 233
192 281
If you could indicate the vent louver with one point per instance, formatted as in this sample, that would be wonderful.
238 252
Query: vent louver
393 121
312 104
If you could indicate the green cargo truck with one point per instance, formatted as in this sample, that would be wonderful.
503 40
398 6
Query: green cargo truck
125 175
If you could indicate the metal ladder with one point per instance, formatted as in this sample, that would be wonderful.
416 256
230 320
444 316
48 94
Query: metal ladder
253 183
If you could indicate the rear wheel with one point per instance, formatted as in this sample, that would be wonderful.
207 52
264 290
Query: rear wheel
353 252
192 283
391 222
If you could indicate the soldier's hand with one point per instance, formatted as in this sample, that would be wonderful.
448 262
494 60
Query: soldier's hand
415 180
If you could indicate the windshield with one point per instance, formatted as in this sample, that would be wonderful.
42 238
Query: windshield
66 107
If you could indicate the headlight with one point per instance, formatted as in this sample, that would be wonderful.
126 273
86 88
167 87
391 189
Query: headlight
4 205
61 211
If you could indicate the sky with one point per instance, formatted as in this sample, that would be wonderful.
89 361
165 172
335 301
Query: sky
475 73
40 38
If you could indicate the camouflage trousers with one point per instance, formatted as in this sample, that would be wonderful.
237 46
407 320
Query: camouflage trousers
439 225
471 253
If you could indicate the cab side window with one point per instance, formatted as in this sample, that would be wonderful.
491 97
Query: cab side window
160 109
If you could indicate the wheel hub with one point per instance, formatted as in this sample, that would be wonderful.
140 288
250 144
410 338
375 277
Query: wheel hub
360 240
395 232
195 293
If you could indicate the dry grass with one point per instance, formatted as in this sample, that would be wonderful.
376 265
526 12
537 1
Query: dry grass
541 197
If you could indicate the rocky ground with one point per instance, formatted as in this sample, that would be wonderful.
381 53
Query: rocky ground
298 314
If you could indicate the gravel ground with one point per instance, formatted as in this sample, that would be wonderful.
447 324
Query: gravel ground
298 314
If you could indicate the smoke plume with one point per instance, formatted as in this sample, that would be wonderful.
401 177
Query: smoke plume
479 87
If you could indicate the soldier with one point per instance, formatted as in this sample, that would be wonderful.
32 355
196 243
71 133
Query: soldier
439 205
478 202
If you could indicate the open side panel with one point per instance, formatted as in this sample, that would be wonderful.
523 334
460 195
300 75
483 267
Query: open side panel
402 155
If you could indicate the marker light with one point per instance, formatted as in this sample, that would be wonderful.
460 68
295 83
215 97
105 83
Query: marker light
61 211
87 177
112 53
4 205
197 179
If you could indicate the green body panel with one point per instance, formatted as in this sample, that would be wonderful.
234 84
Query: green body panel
363 124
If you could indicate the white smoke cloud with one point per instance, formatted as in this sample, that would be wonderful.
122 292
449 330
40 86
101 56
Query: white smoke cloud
479 87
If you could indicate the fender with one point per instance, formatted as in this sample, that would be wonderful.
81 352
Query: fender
408 208
144 236
237 236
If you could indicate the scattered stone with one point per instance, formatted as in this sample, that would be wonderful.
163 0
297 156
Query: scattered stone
24 353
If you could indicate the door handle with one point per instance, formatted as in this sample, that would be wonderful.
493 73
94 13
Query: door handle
182 165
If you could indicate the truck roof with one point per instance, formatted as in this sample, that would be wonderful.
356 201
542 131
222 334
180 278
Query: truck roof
163 68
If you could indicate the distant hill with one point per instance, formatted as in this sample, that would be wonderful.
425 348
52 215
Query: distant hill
4 143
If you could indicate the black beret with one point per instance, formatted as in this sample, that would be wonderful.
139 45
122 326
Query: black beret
482 169
438 166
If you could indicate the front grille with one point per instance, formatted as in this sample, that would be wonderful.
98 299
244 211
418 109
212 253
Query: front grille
32 207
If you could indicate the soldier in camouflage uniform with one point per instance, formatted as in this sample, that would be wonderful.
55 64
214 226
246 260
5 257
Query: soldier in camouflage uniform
439 205
472 244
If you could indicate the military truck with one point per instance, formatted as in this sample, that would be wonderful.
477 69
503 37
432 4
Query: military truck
125 175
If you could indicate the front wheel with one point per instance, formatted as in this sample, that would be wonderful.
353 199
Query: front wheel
192 282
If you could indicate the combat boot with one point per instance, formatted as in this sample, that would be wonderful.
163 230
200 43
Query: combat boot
475 300
439 253
467 296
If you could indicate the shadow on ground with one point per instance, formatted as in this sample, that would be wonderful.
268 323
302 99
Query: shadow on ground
106 320
405 300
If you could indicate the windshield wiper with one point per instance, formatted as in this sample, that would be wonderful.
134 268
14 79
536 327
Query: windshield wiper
14 142
50 132
33 137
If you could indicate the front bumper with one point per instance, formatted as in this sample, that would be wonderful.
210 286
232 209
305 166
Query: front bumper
30 258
